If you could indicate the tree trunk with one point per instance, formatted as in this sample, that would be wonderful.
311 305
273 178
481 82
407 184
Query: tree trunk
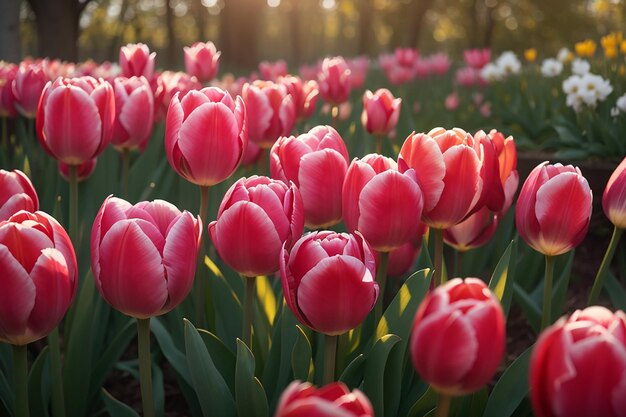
170 52
240 21
418 9
366 11
295 32
57 27
200 15
10 47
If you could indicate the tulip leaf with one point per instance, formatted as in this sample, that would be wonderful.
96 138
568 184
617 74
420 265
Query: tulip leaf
223 358
616 292
471 405
353 374
115 407
426 403
503 277
250 395
559 292
511 388
301 355
531 310
213 393
39 384
175 357
7 393
375 367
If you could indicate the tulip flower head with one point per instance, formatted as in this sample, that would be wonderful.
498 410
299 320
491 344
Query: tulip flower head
16 193
578 366
328 280
8 72
133 124
477 58
335 81
143 257
29 82
458 337
38 279
202 60
167 84
136 60
380 111
271 71
614 197
304 94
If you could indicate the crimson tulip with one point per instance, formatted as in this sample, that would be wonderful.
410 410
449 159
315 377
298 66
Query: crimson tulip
578 366
458 337
380 111
136 60
202 60
263 214
16 193
30 80
75 118
38 279
335 81
614 197
328 280
133 124
8 72
205 135
316 162
304 94
402 258
301 399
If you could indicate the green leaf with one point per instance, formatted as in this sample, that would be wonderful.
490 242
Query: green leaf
531 310
116 408
353 374
503 277
175 357
223 358
373 379
559 292
511 388
301 355
39 385
7 393
616 291
213 393
251 398
426 403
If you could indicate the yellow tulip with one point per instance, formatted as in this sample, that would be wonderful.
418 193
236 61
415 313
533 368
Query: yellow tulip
530 54
610 52
586 48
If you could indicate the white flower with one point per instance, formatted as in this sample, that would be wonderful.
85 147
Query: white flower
614 112
572 85
563 55
508 63
580 66
491 73
621 103
551 68
588 89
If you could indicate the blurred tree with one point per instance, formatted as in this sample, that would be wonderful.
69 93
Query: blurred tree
366 11
10 49
239 28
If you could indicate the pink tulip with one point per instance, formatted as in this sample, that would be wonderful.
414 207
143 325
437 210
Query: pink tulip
380 111
458 337
83 171
452 101
75 118
136 60
448 169
309 72
16 193
301 399
167 84
614 197
304 95
133 124
202 60
316 162
381 203
38 279
143 257
257 217
553 209
328 280
401 259
358 70
271 71
578 366
8 72
252 154
467 77
401 66
30 80
271 112
205 135
477 58
335 81
439 63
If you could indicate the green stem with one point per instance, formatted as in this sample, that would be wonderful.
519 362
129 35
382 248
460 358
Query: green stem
443 405
604 266
330 353
145 366
547 292
58 401
20 361
379 144
201 281
247 310
74 205
125 169
334 112
438 273
381 279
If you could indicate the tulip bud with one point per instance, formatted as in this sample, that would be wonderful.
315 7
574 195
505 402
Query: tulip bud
335 81
358 70
136 60
271 71
8 72
380 111
30 80
16 193
133 123
202 60
166 85
304 95
614 197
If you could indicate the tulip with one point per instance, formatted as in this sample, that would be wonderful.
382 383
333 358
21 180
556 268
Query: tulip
467 77
136 60
439 63
401 66
309 72
202 60
8 72
271 112
75 118
477 58
252 155
334 81
83 171
301 399
16 193
401 259
39 278
380 111
205 135
452 101
167 84
271 71
133 124
30 80
458 337
304 95
316 162
578 366
358 70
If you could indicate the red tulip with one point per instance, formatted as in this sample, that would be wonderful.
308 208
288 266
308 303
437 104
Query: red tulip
380 111
202 60
8 72
328 280
614 197
16 193
38 279
304 94
458 336
257 216
133 124
30 80
75 118
271 112
143 257
301 399
401 259
316 162
335 81
205 135
136 60
83 171
477 58
448 170
553 209
381 203
578 366
167 84
271 71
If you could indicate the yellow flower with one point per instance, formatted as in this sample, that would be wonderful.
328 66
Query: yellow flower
586 48
530 54
610 52
622 69
622 47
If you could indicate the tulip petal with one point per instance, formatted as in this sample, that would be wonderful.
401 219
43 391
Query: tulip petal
15 203
314 407
25 243
179 258
173 124
134 118
163 213
17 297
357 176
541 366
112 210
271 203
289 153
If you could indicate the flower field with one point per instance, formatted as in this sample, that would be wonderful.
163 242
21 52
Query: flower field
353 237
